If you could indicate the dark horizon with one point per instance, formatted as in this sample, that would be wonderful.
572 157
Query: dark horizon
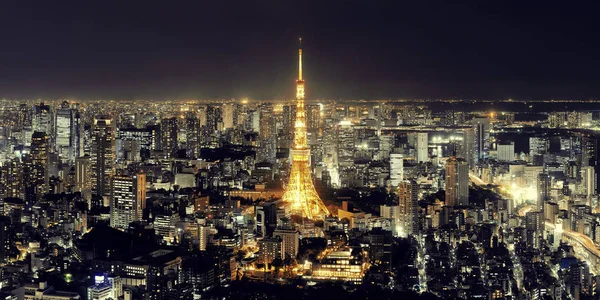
155 50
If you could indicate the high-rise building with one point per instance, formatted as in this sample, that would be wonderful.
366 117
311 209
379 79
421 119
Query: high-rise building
270 249
64 133
192 125
168 130
588 180
266 219
230 115
538 146
300 193
39 177
291 241
393 213
11 179
422 147
506 151
457 182
267 134
289 116
103 154
313 117
468 149
543 190
127 200
396 169
482 132
408 202
83 177
203 237
42 119
213 117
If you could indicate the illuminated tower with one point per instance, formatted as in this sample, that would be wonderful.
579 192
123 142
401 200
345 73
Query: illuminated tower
300 192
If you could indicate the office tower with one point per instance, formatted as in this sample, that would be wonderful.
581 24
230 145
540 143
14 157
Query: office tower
270 249
506 151
588 180
266 219
42 119
396 169
380 246
543 190
267 134
300 191
165 225
168 130
83 177
534 223
64 130
538 146
203 237
77 135
422 147
24 117
11 178
192 125
408 193
105 288
393 213
230 115
127 199
344 154
213 117
468 148
289 117
457 182
39 162
481 128
102 154
313 117
291 241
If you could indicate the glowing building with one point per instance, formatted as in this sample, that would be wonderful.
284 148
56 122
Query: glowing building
457 182
339 266
300 191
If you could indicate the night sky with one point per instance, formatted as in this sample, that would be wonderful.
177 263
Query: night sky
353 49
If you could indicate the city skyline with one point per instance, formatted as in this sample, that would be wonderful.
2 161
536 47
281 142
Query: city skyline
368 51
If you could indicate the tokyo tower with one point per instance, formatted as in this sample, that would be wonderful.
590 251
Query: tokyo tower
300 193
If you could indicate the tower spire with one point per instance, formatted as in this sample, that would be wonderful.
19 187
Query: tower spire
300 193
300 60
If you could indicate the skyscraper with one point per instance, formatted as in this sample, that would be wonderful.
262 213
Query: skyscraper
102 154
313 117
42 119
300 191
38 171
11 178
422 147
482 130
127 199
408 198
396 168
230 115
543 190
457 182
83 177
169 130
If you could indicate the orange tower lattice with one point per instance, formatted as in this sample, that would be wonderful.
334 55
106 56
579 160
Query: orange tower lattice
300 191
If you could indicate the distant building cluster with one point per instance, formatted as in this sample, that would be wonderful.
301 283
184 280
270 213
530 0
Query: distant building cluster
192 199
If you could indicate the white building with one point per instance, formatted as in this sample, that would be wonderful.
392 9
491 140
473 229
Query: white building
422 147
396 169
506 152
127 199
